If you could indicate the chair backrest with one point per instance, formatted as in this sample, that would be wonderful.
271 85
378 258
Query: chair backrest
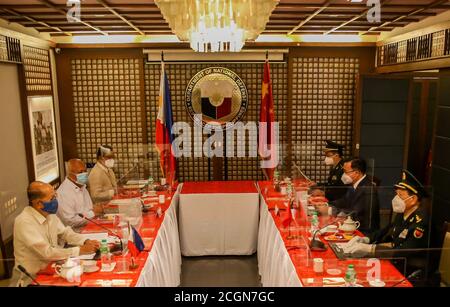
444 265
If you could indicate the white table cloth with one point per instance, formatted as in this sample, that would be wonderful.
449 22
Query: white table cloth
274 264
163 265
218 218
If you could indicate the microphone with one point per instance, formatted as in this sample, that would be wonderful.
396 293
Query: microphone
412 275
103 227
317 245
24 271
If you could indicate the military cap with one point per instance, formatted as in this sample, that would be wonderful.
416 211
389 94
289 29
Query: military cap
410 183
333 146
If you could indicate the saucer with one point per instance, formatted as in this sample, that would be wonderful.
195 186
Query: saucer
377 283
334 271
90 269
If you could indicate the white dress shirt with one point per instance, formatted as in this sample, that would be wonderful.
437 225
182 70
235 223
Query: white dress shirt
36 240
73 200
356 184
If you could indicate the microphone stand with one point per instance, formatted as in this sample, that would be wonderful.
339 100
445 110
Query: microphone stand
103 227
317 245
412 275
24 271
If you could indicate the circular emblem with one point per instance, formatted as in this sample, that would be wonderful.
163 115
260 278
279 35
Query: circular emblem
217 94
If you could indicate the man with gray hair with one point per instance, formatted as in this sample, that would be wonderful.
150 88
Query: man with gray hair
73 196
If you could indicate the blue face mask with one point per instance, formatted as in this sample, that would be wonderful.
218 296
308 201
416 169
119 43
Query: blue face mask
82 178
50 206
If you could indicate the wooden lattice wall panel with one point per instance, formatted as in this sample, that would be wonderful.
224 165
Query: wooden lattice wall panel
323 94
3 49
37 69
179 75
107 107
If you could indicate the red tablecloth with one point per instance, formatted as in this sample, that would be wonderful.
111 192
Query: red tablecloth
302 257
148 231
215 187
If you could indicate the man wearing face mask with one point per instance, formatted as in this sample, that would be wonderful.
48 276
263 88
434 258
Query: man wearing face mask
409 230
73 196
38 231
102 180
361 198
334 188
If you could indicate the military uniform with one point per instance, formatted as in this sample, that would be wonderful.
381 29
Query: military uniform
411 233
334 187
407 239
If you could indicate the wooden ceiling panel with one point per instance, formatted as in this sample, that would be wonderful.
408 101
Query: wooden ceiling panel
289 17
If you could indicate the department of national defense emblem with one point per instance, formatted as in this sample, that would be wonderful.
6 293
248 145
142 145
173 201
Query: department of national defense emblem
219 95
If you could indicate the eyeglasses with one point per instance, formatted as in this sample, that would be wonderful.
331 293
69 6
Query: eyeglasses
352 171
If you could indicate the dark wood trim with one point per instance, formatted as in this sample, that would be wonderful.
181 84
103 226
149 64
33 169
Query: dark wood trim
427 64
248 45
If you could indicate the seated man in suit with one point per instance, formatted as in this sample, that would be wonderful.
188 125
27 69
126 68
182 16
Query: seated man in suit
404 238
38 233
361 200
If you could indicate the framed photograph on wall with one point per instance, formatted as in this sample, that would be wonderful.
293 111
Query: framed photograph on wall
43 138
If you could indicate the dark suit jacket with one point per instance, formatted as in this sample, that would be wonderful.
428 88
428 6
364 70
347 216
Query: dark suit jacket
364 205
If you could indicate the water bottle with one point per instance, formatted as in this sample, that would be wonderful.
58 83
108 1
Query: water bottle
105 255
350 276
150 183
314 223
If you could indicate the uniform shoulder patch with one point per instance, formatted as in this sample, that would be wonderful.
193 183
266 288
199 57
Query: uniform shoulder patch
418 233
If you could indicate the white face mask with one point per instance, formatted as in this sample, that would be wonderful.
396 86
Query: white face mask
329 161
109 163
398 204
346 179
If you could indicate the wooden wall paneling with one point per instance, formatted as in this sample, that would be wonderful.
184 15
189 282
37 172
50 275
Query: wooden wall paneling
103 103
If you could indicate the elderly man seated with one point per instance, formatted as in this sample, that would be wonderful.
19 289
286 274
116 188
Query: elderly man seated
73 196
38 233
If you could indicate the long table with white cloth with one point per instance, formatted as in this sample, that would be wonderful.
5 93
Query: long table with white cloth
159 265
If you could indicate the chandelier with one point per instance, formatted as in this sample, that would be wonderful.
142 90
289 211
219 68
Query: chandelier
216 25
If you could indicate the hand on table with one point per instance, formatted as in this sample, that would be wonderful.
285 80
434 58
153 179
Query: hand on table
360 249
357 239
89 247
98 209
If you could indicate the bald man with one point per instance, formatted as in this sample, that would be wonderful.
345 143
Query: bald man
73 196
38 233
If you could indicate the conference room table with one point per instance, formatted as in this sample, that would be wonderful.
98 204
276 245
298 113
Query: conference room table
218 218
159 264
285 259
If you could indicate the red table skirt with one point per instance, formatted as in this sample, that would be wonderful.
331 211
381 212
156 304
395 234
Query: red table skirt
148 231
302 258
216 187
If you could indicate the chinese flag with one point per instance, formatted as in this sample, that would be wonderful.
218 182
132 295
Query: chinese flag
266 142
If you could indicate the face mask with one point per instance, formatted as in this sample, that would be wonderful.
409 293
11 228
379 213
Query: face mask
329 161
82 178
398 204
109 163
346 179
50 206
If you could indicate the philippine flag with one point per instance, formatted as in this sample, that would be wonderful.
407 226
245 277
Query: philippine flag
164 136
